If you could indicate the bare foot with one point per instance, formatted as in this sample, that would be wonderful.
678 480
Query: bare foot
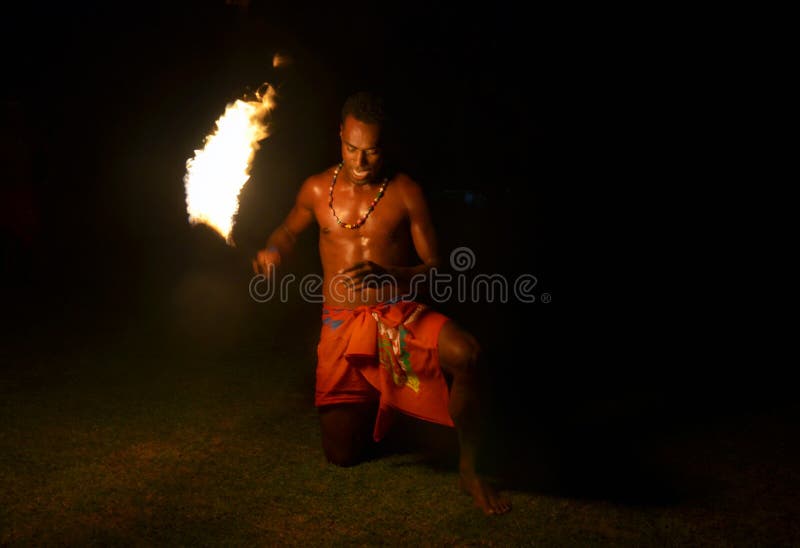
485 496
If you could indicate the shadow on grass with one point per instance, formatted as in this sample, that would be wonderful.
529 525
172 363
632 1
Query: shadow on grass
578 460
427 444
584 461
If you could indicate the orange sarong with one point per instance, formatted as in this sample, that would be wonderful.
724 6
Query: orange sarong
386 353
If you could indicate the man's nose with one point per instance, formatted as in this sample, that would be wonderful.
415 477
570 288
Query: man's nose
361 158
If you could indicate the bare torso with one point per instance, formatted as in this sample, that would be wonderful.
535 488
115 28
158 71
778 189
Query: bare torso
385 237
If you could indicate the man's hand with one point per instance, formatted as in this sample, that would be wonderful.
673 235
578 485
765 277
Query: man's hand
266 260
357 274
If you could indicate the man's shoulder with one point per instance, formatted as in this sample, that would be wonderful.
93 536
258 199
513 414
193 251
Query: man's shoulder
403 180
316 186
407 187
322 179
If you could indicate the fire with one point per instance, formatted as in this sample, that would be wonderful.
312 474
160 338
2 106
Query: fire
281 60
215 176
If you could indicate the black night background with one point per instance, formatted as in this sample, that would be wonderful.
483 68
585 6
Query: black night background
146 398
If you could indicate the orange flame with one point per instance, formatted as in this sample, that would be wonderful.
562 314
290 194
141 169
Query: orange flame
215 176
281 60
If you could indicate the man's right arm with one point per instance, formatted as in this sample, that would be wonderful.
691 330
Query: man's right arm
281 242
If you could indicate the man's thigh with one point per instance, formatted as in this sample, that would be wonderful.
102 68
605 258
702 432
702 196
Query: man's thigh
347 431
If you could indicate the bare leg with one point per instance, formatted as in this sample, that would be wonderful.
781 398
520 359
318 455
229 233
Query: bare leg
347 432
458 356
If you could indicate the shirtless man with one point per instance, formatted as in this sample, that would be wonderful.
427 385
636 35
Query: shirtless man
374 354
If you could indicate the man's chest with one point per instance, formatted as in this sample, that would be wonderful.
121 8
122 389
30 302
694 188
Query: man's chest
387 222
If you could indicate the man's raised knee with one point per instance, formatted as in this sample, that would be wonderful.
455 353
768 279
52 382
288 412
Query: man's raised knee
464 355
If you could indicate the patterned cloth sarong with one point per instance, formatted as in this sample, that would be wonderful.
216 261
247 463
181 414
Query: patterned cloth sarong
385 352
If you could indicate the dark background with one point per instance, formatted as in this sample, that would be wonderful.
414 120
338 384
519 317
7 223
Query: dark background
102 108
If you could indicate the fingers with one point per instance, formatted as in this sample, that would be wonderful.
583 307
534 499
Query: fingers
355 274
362 269
261 265
353 282
362 275
266 261
358 276
358 265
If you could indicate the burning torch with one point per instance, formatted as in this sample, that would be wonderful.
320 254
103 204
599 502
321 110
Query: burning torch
217 173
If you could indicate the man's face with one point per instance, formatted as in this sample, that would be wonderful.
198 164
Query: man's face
361 153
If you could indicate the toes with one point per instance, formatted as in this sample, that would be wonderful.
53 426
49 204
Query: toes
501 506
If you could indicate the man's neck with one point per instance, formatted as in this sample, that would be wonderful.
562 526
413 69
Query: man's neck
369 183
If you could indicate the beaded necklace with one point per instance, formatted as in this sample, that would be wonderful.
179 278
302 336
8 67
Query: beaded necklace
363 218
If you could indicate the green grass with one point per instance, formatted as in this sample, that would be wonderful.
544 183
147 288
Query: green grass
178 447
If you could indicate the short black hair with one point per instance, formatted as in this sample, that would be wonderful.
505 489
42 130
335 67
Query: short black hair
366 106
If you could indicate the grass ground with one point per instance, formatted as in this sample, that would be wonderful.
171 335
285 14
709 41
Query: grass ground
125 444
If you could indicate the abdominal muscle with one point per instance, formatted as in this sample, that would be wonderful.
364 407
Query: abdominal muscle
340 255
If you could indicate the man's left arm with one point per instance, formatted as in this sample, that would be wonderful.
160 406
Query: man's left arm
423 237
422 234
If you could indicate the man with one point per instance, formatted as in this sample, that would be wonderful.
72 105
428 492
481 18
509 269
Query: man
378 354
